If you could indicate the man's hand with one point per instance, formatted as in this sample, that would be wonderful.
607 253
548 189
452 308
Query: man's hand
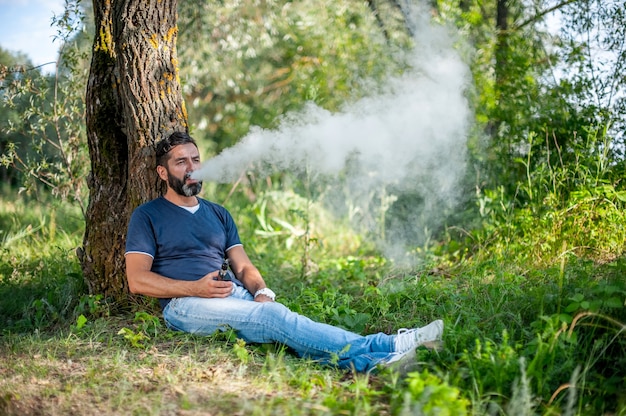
208 287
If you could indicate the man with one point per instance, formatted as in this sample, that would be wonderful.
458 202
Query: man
175 247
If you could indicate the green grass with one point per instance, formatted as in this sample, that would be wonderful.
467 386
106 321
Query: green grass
40 279
523 336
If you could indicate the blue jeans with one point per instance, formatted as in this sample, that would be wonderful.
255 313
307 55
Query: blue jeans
257 322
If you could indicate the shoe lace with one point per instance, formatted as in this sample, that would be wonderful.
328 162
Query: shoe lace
405 339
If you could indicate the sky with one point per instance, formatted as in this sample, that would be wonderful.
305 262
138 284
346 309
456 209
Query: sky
25 26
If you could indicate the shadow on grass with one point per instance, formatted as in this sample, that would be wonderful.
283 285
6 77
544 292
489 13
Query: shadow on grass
38 293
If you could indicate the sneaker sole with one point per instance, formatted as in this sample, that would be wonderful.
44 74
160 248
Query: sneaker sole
432 345
407 364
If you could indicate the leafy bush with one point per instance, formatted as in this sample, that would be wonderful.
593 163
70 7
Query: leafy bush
427 395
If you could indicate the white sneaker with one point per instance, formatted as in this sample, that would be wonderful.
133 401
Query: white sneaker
403 362
429 336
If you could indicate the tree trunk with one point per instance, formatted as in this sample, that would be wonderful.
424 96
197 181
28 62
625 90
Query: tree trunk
501 67
133 100
502 41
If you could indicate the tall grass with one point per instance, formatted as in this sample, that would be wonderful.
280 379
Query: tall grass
40 278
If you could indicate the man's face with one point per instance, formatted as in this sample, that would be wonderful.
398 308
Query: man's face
183 160
182 187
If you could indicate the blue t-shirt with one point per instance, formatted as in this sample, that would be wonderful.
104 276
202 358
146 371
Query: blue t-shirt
183 246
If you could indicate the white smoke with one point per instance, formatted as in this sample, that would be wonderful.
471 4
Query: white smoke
411 138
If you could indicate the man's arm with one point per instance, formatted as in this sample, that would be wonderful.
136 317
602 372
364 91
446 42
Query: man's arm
247 272
142 280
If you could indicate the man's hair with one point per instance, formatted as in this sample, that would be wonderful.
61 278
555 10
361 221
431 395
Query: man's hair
164 146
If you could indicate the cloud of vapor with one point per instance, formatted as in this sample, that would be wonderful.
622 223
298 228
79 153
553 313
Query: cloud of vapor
411 138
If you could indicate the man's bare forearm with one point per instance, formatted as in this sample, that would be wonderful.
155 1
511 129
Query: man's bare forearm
142 280
152 284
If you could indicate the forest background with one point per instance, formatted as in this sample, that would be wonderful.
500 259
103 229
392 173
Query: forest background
503 215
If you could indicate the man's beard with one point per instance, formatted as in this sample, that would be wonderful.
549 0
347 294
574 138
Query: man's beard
181 188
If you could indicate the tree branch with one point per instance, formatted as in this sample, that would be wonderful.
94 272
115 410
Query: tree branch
542 13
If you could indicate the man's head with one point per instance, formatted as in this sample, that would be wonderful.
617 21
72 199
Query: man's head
177 156
164 146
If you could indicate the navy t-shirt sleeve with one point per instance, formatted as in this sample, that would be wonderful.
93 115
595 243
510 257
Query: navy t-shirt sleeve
232 235
140 237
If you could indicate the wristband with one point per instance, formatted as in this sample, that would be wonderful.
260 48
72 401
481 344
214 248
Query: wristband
267 292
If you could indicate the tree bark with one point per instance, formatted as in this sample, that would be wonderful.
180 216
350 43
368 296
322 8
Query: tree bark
501 66
502 34
133 100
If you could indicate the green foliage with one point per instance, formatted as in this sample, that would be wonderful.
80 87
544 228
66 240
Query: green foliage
37 242
492 366
146 327
298 231
428 395
135 338
92 305
551 70
564 217
560 210
593 50
80 322
239 348
42 139
246 64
